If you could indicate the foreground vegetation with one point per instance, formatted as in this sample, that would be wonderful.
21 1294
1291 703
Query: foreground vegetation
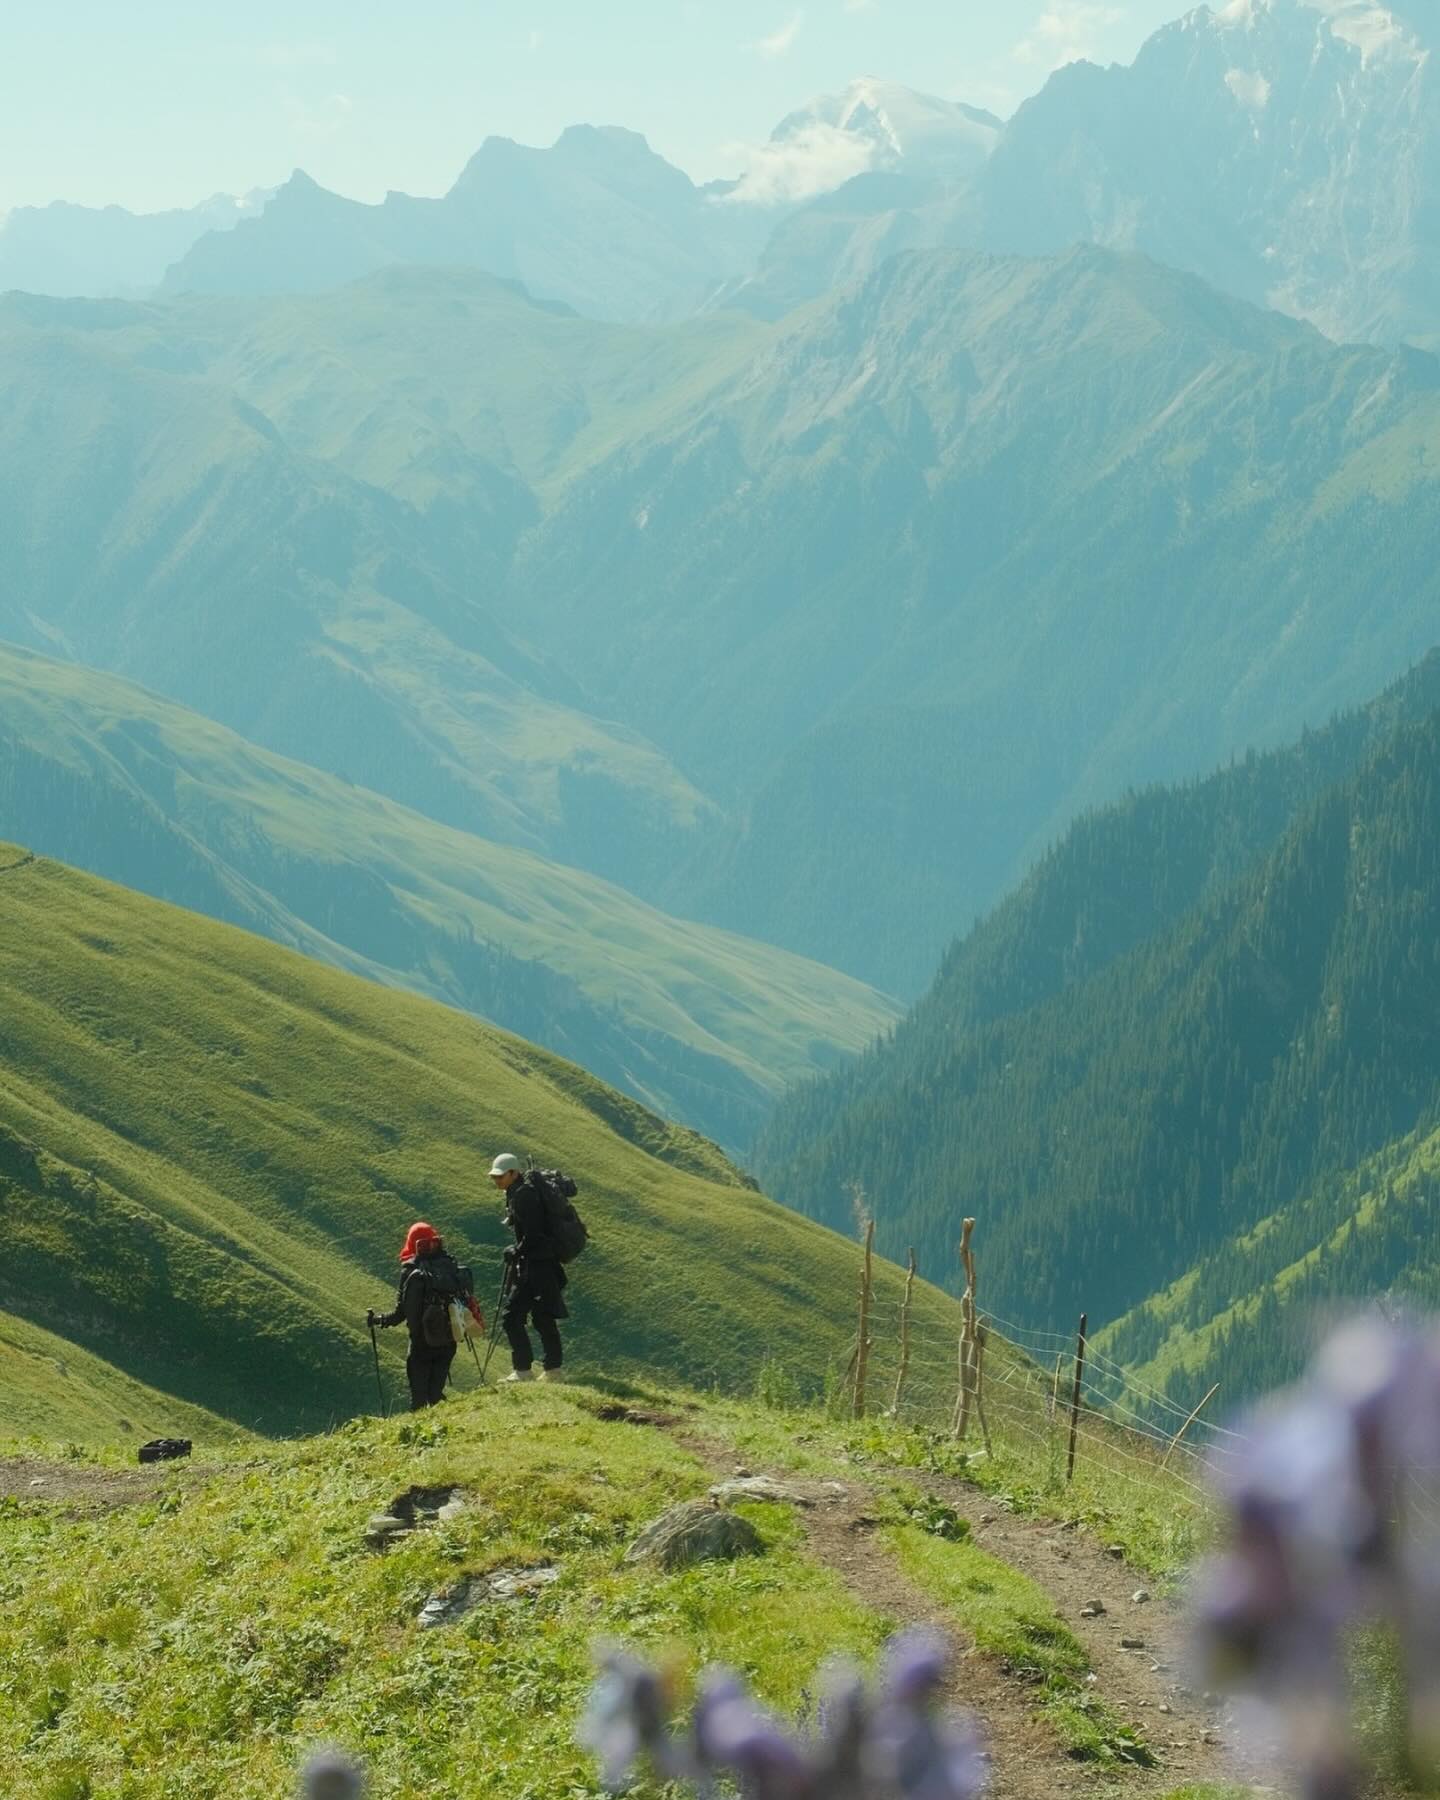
197 1641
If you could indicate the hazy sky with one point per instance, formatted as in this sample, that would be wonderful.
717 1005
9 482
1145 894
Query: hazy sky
166 101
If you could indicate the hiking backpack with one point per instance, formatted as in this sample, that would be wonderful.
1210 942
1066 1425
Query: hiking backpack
444 1284
567 1229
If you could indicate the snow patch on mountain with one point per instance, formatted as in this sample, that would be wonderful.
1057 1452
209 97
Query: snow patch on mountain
872 125
1375 31
1249 87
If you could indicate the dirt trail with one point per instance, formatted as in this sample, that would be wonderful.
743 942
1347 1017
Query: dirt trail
1144 1687
76 1486
1076 1571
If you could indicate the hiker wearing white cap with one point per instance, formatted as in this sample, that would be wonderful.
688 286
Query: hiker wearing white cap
537 1277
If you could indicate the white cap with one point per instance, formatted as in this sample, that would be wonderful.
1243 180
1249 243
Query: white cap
505 1165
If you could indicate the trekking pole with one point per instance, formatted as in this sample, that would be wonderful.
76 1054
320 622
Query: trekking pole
379 1384
505 1281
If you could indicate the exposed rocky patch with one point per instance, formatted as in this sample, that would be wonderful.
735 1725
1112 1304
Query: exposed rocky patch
451 1605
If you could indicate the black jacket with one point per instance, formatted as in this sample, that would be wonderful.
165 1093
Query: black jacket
420 1279
539 1274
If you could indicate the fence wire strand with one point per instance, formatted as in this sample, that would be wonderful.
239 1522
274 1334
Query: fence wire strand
1137 1434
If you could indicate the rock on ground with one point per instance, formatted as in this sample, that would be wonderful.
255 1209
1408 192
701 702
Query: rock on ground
694 1532
758 1487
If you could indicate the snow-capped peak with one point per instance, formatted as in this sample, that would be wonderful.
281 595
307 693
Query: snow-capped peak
918 132
874 125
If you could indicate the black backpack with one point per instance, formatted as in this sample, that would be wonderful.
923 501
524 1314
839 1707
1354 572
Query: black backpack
567 1229
444 1281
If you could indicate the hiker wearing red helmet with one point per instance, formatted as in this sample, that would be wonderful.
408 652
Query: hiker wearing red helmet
429 1280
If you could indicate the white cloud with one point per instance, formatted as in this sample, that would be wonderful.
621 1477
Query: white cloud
1066 32
534 41
815 160
781 42
854 6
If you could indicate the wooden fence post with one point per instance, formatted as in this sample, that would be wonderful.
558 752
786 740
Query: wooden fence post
1188 1423
961 1421
904 1337
1075 1396
862 1354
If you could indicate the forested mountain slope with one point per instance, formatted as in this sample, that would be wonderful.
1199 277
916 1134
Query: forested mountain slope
1172 1034
210 1149
1250 1311
698 1024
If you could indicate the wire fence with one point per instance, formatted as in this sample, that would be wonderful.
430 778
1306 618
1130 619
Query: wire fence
1004 1387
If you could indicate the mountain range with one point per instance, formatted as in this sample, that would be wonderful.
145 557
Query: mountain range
1284 150
970 547
107 251
598 222
755 620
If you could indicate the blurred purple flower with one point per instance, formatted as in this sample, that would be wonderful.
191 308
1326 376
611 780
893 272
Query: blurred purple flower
1329 1532
330 1775
627 1722
888 1745
732 1733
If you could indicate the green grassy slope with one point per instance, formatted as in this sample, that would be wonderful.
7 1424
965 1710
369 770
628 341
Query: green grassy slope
54 1389
699 1024
213 1146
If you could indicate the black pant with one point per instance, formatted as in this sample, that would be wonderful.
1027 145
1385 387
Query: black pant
428 1370
518 1308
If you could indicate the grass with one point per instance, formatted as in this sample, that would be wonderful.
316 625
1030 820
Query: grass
48 1381
199 1643
196 1645
210 1149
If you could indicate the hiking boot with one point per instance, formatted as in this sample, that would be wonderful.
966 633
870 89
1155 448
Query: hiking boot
519 1375
552 1375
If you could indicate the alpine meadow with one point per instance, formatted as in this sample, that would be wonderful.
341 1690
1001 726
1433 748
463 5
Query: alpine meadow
720 902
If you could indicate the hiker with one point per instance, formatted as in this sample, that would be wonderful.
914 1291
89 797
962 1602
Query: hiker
429 1280
537 1280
